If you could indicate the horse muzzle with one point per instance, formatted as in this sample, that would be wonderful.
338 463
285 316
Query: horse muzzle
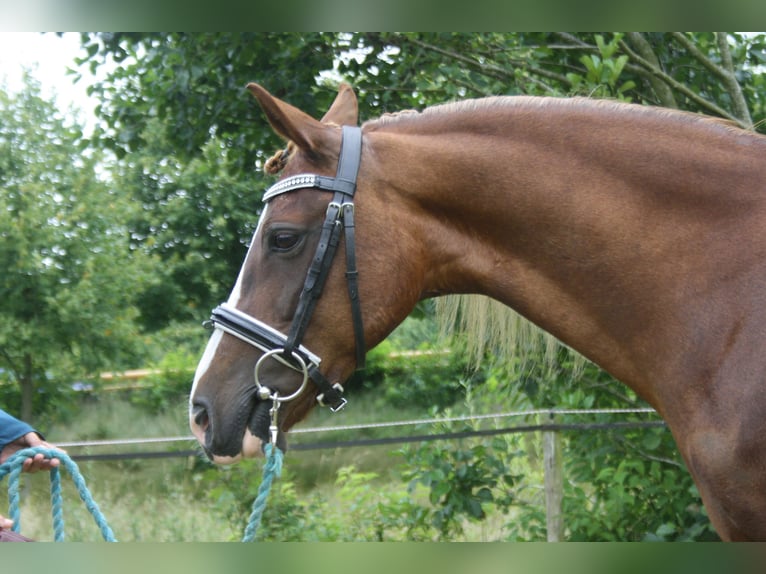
226 443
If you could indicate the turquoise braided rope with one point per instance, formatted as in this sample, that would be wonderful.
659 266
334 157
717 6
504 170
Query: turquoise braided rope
57 505
12 468
13 495
272 469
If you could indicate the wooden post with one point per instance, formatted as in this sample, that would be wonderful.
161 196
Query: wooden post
554 484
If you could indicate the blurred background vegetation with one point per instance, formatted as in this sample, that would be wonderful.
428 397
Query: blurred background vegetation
116 245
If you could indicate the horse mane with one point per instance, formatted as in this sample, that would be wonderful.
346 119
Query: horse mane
486 327
407 118
278 161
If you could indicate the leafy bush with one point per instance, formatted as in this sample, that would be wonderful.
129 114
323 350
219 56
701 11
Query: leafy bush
631 485
414 368
354 515
464 479
169 386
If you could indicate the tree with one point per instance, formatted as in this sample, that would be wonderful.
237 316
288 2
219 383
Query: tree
190 139
194 83
713 73
190 215
65 303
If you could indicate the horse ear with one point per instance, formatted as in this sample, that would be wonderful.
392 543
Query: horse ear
344 111
288 121
304 131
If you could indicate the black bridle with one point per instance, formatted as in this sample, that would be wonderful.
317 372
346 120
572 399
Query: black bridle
339 219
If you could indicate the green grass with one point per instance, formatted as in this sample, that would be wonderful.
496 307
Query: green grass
114 418
142 501
189 499
162 499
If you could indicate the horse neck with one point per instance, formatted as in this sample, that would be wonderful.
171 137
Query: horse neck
578 215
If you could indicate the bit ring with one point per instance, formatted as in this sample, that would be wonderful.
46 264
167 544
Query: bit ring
264 393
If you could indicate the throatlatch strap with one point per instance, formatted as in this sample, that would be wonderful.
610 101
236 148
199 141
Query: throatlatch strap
352 281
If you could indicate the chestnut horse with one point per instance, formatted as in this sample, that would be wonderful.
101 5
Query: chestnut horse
635 235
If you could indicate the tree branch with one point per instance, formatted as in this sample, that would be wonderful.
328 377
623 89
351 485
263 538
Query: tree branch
574 40
725 73
490 70
644 49
699 56
493 71
641 452
738 102
530 78
679 87
10 361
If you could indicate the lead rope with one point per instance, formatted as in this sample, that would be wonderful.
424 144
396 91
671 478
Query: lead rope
272 469
12 467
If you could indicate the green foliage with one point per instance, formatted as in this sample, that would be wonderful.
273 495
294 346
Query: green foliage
464 479
418 379
194 85
624 483
620 484
413 368
603 71
64 254
168 386
686 71
190 137
195 217
631 485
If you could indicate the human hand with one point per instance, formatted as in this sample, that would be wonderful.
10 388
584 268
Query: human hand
31 464
7 535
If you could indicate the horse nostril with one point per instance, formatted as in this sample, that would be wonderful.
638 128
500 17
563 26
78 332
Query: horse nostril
200 416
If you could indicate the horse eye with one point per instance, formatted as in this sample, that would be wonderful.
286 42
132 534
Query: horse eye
284 240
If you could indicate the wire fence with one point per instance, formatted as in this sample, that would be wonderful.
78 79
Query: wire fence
297 444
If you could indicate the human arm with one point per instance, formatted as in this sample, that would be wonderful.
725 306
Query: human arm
14 436
11 429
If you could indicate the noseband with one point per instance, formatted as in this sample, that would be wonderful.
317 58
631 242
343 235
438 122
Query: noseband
287 348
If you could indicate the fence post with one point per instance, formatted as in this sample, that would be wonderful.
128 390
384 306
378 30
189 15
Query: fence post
554 483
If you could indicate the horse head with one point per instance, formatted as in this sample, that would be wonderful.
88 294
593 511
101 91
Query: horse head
292 332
